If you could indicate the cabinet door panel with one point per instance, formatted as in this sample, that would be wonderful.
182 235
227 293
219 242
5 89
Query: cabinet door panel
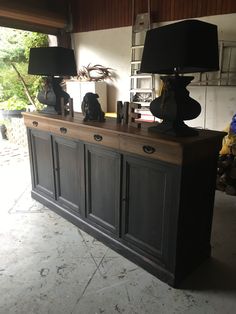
148 197
103 187
69 163
43 175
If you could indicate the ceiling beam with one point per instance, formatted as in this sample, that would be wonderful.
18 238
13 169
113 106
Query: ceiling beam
33 16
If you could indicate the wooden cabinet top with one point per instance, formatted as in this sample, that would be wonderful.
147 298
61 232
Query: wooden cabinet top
171 149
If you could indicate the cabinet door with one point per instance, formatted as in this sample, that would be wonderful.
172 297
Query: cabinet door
149 195
69 173
103 187
42 163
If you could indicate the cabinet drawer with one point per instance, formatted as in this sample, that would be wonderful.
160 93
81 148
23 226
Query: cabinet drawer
157 150
64 130
86 134
97 137
36 123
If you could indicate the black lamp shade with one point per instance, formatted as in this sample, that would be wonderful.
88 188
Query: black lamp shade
184 47
52 61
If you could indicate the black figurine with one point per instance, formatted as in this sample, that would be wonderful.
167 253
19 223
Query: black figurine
91 108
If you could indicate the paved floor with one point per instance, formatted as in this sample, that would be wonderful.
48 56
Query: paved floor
47 265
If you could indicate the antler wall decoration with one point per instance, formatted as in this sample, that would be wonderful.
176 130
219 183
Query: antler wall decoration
95 73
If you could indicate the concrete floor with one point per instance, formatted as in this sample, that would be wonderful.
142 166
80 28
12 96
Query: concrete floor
47 265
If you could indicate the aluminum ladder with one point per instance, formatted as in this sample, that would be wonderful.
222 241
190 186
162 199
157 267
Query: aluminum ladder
142 85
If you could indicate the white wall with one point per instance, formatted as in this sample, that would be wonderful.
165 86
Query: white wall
111 48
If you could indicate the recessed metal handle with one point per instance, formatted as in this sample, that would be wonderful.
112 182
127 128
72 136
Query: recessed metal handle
97 137
35 123
63 130
148 149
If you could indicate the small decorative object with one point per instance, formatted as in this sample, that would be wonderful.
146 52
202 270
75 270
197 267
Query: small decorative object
134 115
143 97
188 46
91 108
51 62
226 174
95 73
233 124
229 141
122 112
226 169
67 109
119 116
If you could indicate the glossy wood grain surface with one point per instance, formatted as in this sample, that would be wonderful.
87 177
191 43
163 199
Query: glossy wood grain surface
167 148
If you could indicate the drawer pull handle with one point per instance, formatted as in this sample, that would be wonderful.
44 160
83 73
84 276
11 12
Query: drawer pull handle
63 130
35 123
148 149
97 137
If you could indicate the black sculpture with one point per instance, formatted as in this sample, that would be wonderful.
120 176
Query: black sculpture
91 108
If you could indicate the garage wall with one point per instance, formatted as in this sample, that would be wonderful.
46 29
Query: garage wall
111 48
218 102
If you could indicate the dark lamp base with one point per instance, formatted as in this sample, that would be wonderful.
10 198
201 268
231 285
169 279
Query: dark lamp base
175 106
49 110
174 129
51 95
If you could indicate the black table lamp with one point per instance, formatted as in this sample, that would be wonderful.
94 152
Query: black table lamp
184 47
53 63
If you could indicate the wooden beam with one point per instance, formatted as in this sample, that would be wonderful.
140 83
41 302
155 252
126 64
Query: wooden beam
38 17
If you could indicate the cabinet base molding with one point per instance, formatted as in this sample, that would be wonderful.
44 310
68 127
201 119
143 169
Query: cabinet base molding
111 242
